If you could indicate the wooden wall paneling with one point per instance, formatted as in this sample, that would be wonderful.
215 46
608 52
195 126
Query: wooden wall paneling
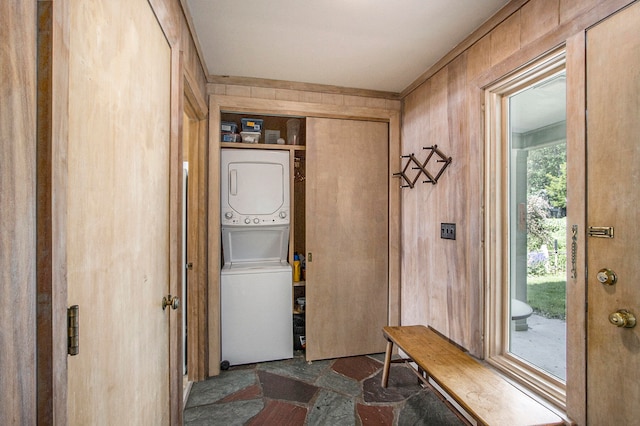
321 89
474 219
521 36
247 104
569 9
18 29
547 42
395 214
415 126
478 59
505 39
435 202
537 18
499 52
214 240
456 191
576 215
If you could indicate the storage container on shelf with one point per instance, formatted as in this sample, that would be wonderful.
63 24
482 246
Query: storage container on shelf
252 124
250 137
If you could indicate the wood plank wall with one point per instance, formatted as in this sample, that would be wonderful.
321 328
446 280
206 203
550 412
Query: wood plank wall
443 280
351 98
18 211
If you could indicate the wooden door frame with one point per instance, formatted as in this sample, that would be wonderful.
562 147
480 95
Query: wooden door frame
53 124
576 396
219 103
195 108
53 121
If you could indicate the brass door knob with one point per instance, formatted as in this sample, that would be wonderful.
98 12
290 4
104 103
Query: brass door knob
174 302
607 276
623 318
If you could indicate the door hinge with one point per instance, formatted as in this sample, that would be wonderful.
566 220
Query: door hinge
72 330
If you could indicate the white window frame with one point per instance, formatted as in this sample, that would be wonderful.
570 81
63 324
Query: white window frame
497 318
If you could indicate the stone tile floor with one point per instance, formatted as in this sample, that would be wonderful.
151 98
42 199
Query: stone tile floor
343 391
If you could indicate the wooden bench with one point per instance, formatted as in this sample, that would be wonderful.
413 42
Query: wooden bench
481 392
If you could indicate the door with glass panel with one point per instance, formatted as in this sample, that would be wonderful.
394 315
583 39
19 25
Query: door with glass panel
527 225
537 210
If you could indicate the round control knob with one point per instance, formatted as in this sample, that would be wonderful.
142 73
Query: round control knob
283 215
247 220
256 221
607 276
228 215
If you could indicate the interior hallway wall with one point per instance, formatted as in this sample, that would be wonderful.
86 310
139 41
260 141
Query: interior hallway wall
443 280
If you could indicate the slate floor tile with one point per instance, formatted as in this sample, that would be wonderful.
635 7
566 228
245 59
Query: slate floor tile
356 367
402 384
280 413
425 408
215 388
278 387
333 392
331 408
371 415
232 414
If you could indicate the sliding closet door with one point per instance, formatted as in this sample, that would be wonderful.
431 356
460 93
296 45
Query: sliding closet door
346 237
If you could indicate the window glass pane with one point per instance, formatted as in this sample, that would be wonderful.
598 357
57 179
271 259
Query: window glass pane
537 225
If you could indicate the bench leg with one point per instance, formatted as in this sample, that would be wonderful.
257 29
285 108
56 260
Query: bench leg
387 364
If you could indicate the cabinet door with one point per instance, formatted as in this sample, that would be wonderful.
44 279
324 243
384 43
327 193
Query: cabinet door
346 237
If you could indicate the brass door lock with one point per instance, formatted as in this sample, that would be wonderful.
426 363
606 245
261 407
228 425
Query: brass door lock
623 318
606 276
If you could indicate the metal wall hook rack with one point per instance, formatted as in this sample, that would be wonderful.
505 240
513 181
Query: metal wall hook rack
410 183
422 167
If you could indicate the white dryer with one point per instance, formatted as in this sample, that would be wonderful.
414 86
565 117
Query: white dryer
255 281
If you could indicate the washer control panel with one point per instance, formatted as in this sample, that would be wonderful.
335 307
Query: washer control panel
229 217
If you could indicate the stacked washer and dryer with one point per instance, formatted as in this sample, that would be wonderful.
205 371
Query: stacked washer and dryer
255 280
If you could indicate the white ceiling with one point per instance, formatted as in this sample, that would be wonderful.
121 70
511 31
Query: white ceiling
382 45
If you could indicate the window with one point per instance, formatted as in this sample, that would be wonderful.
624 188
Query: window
526 226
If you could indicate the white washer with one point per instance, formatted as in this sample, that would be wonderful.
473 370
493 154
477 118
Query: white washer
256 312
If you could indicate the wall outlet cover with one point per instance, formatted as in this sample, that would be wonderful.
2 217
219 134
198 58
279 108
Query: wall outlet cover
448 231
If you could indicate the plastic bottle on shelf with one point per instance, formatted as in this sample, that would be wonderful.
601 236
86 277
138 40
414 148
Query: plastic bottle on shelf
296 268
